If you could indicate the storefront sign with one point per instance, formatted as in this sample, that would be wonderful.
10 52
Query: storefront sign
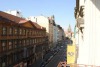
71 53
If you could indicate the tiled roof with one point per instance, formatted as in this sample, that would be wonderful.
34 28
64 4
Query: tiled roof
37 25
18 19
23 21
11 17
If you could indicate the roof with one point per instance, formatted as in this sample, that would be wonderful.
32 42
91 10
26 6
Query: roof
23 21
18 19
38 26
11 17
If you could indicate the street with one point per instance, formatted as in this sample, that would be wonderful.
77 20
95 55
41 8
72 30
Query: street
58 58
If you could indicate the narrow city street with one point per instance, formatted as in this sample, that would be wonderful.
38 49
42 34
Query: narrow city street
58 58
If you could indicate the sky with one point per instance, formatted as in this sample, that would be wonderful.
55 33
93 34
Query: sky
63 10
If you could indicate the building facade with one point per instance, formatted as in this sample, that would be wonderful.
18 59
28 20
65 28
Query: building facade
22 42
48 23
60 34
69 32
15 13
54 32
87 14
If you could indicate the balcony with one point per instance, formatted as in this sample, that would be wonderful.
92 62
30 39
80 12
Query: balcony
80 22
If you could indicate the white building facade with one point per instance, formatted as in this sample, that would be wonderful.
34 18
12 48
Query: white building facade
87 14
15 13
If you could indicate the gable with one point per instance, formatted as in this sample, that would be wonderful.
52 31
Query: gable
28 24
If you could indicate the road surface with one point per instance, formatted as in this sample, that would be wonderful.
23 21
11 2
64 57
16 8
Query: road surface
59 57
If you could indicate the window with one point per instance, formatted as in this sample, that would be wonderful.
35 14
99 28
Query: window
30 41
27 42
16 56
20 31
3 45
24 32
4 58
33 41
10 59
32 32
27 32
24 42
10 31
36 32
20 43
10 45
15 44
4 31
16 31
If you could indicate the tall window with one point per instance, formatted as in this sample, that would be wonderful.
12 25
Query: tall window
4 59
33 41
24 32
10 58
24 42
16 56
20 43
10 31
10 45
20 31
4 31
16 31
28 32
15 44
27 41
3 45
32 32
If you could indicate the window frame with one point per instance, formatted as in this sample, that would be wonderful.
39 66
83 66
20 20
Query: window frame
10 46
10 31
4 31
5 47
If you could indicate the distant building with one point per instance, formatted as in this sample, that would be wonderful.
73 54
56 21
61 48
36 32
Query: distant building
69 32
54 31
15 12
60 34
44 22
